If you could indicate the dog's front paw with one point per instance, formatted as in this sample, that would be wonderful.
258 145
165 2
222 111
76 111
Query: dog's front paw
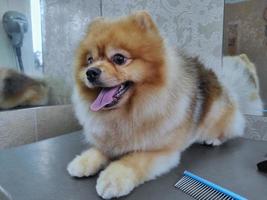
115 181
87 164
213 142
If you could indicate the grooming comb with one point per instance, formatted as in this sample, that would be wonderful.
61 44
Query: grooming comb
201 189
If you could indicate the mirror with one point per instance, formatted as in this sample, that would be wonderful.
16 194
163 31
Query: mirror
245 38
21 62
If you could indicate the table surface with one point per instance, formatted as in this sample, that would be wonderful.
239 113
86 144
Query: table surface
38 171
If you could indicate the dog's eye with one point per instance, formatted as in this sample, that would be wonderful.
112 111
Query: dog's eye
90 60
119 59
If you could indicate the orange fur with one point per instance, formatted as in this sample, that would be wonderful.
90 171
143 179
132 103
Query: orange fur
145 46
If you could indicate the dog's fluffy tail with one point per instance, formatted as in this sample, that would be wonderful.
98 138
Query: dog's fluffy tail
240 78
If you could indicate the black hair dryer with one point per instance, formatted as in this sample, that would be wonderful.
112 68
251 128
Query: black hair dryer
16 25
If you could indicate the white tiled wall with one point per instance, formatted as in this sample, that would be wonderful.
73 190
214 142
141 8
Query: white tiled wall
64 23
23 126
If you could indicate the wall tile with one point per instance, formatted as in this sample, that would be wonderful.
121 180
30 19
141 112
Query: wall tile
64 23
55 120
17 127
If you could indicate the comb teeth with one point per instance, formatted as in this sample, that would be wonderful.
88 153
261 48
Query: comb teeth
199 190
202 189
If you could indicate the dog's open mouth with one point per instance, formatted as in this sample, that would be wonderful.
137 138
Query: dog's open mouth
110 96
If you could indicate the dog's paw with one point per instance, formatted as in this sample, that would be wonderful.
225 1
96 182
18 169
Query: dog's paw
86 164
213 142
115 181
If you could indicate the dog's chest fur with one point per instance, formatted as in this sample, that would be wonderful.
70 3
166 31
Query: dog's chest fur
119 134
116 137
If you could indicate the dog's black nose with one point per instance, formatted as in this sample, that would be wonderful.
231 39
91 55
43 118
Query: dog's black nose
93 74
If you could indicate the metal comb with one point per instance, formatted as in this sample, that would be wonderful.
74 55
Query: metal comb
202 189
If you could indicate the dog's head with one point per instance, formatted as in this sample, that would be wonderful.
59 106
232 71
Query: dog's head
118 60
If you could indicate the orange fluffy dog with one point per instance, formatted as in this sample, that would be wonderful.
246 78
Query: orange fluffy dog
141 104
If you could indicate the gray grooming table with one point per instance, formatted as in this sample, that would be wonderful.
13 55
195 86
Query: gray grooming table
38 171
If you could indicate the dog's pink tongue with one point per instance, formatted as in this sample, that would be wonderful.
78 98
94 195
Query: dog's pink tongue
104 98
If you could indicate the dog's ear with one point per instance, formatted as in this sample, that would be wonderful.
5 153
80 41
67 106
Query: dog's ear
95 22
144 20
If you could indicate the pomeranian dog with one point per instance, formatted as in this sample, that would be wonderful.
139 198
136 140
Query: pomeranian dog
142 103
17 89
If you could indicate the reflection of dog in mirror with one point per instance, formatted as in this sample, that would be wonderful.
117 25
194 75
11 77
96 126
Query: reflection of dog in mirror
249 97
141 104
17 89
